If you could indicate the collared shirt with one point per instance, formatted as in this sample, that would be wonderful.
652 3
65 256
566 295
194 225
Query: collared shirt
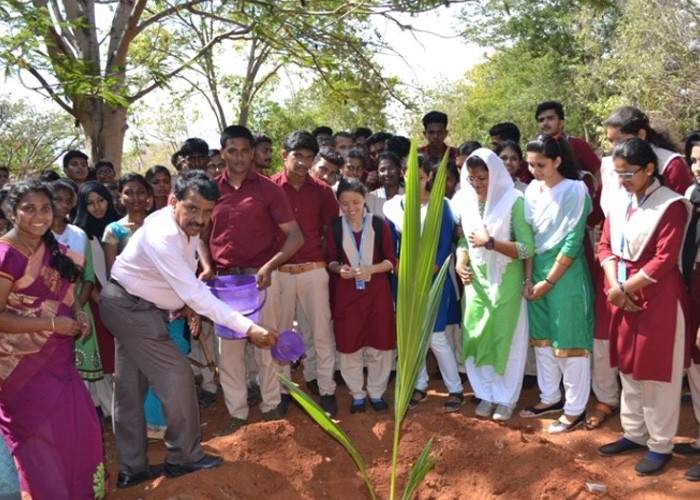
425 151
246 221
314 207
159 264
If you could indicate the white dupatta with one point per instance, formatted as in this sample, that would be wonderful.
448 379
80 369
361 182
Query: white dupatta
500 197
553 213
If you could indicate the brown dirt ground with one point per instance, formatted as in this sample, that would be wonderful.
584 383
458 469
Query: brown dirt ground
294 459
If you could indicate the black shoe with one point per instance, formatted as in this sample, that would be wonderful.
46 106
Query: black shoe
380 406
125 480
338 378
358 407
254 395
529 381
622 445
283 407
392 375
206 462
463 377
686 449
329 405
693 474
312 385
206 398
652 463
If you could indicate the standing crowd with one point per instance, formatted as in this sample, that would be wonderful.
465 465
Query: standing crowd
580 271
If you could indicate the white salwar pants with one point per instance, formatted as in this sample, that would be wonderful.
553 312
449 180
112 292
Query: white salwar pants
503 389
649 409
576 373
378 369
604 380
446 363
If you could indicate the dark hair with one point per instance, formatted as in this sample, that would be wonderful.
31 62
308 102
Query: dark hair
399 145
691 140
428 164
377 137
236 132
352 185
199 182
477 162
468 147
322 130
73 153
157 169
94 228
194 145
343 134
631 120
5 168
331 156
215 152
357 153
506 131
555 148
261 139
361 132
132 177
65 266
48 175
637 151
174 159
59 184
300 139
390 156
104 163
434 117
509 144
547 105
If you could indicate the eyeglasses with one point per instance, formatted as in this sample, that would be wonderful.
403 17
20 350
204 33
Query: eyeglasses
625 176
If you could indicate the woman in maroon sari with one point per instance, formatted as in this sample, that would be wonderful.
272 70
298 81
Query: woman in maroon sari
46 416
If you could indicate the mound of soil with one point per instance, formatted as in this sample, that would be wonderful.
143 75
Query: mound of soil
295 459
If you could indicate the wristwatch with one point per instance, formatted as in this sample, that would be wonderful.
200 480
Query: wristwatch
490 243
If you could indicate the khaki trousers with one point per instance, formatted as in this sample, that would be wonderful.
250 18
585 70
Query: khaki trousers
378 370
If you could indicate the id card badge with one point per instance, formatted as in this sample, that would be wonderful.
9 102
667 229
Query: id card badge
359 284
621 271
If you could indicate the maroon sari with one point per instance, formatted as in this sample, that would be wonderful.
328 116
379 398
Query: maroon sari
46 415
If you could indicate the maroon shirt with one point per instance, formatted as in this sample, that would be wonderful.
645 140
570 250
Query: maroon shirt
584 154
245 222
314 207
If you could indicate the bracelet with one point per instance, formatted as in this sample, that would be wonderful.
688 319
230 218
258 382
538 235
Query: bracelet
621 287
490 243
550 282
527 280
560 262
53 324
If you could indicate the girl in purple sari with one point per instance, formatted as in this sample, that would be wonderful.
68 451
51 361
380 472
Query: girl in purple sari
46 416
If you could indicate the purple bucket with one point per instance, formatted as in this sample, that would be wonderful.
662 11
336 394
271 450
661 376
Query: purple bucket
289 347
240 292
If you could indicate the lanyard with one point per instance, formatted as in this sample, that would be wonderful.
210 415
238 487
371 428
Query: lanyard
362 236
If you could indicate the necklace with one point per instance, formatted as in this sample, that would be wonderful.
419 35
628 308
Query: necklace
26 246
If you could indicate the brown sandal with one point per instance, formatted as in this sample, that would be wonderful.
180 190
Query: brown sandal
598 415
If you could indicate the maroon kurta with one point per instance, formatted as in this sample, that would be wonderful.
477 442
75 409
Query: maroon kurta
363 318
641 343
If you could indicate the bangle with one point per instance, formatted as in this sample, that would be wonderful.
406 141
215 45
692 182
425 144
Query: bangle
552 283
527 280
560 262
53 324
490 243
621 287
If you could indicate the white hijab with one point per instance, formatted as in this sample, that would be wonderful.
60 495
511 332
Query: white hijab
500 197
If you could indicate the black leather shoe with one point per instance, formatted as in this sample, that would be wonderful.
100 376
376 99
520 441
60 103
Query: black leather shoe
283 407
686 449
206 462
329 405
312 386
693 474
125 480
622 445
652 463
206 398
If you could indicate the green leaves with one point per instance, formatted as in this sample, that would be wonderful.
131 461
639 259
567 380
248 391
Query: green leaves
325 422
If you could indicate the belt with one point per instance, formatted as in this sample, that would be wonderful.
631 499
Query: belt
115 282
301 268
227 271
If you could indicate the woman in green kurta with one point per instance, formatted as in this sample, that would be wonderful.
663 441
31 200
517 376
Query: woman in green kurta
558 283
489 263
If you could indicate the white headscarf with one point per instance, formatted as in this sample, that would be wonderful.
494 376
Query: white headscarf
500 197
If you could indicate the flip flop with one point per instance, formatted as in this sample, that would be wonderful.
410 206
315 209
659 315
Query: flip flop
533 411
598 415
417 397
559 427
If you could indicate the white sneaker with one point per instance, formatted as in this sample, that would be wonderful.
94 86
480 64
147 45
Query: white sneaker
485 408
503 412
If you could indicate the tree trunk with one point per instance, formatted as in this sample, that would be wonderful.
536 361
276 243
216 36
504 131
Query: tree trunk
105 129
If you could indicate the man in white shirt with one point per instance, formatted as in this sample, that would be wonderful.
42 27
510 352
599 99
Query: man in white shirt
153 277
